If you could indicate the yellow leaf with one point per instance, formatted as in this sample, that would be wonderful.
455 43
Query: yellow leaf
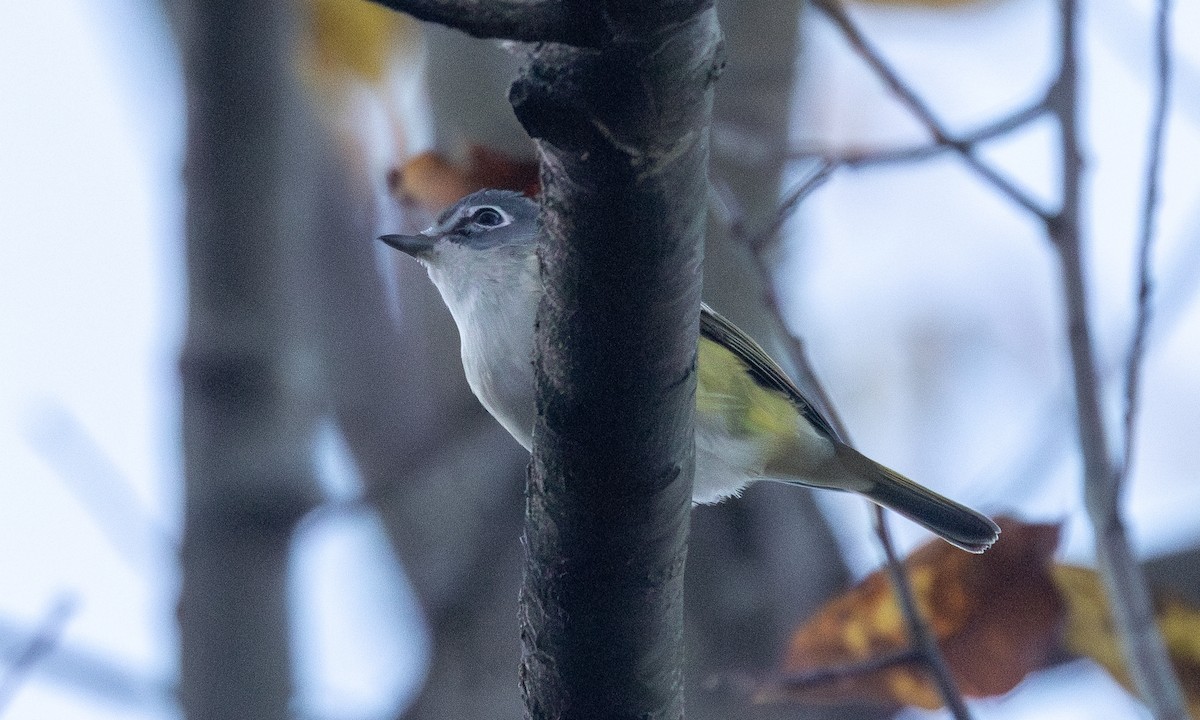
357 36
1090 632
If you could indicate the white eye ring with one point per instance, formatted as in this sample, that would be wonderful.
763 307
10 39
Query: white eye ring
488 216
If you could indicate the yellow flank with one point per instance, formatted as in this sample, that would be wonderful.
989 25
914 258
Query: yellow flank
725 389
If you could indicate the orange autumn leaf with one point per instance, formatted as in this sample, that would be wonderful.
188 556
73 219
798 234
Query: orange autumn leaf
1090 631
996 616
434 182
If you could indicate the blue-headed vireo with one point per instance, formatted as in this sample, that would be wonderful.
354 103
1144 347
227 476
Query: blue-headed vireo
752 422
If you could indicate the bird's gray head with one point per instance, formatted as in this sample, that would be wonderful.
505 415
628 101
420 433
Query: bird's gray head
482 227
483 246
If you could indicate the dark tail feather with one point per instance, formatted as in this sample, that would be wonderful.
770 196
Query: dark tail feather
956 524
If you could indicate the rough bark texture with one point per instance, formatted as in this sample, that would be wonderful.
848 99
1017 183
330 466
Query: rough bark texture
247 418
567 21
624 136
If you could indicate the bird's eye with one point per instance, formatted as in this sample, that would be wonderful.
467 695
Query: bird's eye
487 217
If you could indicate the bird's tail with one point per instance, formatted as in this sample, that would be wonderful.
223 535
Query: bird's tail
956 524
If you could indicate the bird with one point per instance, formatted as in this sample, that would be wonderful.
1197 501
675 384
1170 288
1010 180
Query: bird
752 422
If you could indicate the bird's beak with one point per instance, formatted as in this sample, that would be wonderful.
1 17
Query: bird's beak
415 245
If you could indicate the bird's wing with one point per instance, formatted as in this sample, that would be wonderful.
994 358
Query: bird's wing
765 371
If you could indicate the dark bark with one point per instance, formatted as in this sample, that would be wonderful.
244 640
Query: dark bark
624 137
248 418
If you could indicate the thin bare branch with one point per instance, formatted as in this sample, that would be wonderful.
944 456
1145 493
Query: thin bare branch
856 159
89 673
1129 595
759 240
922 112
522 20
1126 585
924 644
836 673
919 632
1137 348
774 534
44 640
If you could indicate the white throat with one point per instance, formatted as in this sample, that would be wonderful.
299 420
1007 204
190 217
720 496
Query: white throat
495 314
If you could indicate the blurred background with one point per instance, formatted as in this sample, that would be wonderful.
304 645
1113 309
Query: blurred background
929 304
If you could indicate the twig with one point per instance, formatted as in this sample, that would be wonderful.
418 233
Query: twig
1127 588
1132 608
44 640
854 669
923 641
922 112
922 638
89 673
758 241
855 159
521 20
1137 348
919 631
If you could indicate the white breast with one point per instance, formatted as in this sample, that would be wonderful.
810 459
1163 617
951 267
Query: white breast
495 315
499 369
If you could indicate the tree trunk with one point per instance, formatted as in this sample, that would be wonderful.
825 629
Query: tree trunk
248 416
624 135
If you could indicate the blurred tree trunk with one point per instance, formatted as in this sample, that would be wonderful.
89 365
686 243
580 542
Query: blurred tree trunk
249 412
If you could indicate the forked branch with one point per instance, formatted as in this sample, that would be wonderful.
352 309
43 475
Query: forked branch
1104 478
1128 591
922 111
